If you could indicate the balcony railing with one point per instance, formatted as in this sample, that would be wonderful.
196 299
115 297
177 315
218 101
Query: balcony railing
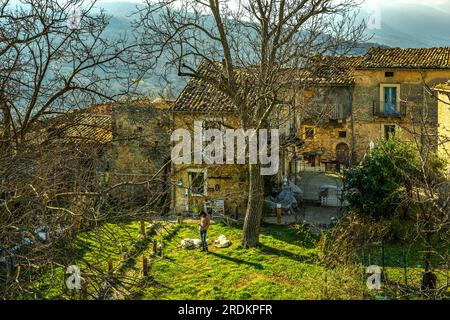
325 111
389 109
337 112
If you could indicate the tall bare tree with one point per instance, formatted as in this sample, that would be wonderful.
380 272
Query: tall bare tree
55 56
263 39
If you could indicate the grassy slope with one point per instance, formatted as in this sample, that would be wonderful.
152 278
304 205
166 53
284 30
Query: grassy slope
285 266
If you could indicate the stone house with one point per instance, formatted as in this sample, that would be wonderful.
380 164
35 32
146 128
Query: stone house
127 144
199 186
324 112
140 152
443 116
393 94
384 92
339 108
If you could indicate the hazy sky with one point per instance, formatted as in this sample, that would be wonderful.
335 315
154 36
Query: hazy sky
440 4
424 2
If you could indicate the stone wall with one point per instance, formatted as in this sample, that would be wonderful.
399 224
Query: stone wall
314 112
223 182
444 124
141 148
421 108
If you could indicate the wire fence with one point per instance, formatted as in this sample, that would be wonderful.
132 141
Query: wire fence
402 269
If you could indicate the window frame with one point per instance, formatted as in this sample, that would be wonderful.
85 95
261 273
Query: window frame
383 86
385 136
344 132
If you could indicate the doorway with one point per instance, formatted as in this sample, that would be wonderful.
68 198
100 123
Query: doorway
343 154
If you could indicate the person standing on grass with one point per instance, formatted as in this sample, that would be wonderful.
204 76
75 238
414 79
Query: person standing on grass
205 222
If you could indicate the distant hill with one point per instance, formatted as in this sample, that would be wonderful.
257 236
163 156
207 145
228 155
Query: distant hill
409 26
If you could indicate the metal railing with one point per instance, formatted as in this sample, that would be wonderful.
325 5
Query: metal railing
323 111
337 112
389 109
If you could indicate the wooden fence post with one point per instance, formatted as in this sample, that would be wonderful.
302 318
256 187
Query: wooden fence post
143 228
110 269
279 213
155 248
145 266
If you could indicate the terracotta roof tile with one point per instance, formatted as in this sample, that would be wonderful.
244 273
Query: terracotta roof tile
330 70
199 96
412 58
87 127
202 97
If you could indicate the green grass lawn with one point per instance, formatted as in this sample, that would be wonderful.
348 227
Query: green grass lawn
286 265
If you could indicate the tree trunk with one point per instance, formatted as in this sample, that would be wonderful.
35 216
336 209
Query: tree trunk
5 136
252 223
428 278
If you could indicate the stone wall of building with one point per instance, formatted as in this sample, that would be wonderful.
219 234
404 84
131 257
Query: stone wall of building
420 107
141 148
317 111
222 182
444 124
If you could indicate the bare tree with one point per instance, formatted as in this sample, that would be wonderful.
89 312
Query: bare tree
55 56
260 43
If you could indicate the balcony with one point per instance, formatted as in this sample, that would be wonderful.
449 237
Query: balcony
331 112
337 112
389 109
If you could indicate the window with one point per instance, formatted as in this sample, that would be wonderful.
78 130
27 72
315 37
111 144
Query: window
197 183
390 97
389 131
342 134
309 133
389 74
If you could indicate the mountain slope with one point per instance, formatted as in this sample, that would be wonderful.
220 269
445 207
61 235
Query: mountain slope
412 26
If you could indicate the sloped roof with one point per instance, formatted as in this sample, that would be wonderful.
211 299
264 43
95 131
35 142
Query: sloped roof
202 97
330 70
411 58
88 127
199 96
79 127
